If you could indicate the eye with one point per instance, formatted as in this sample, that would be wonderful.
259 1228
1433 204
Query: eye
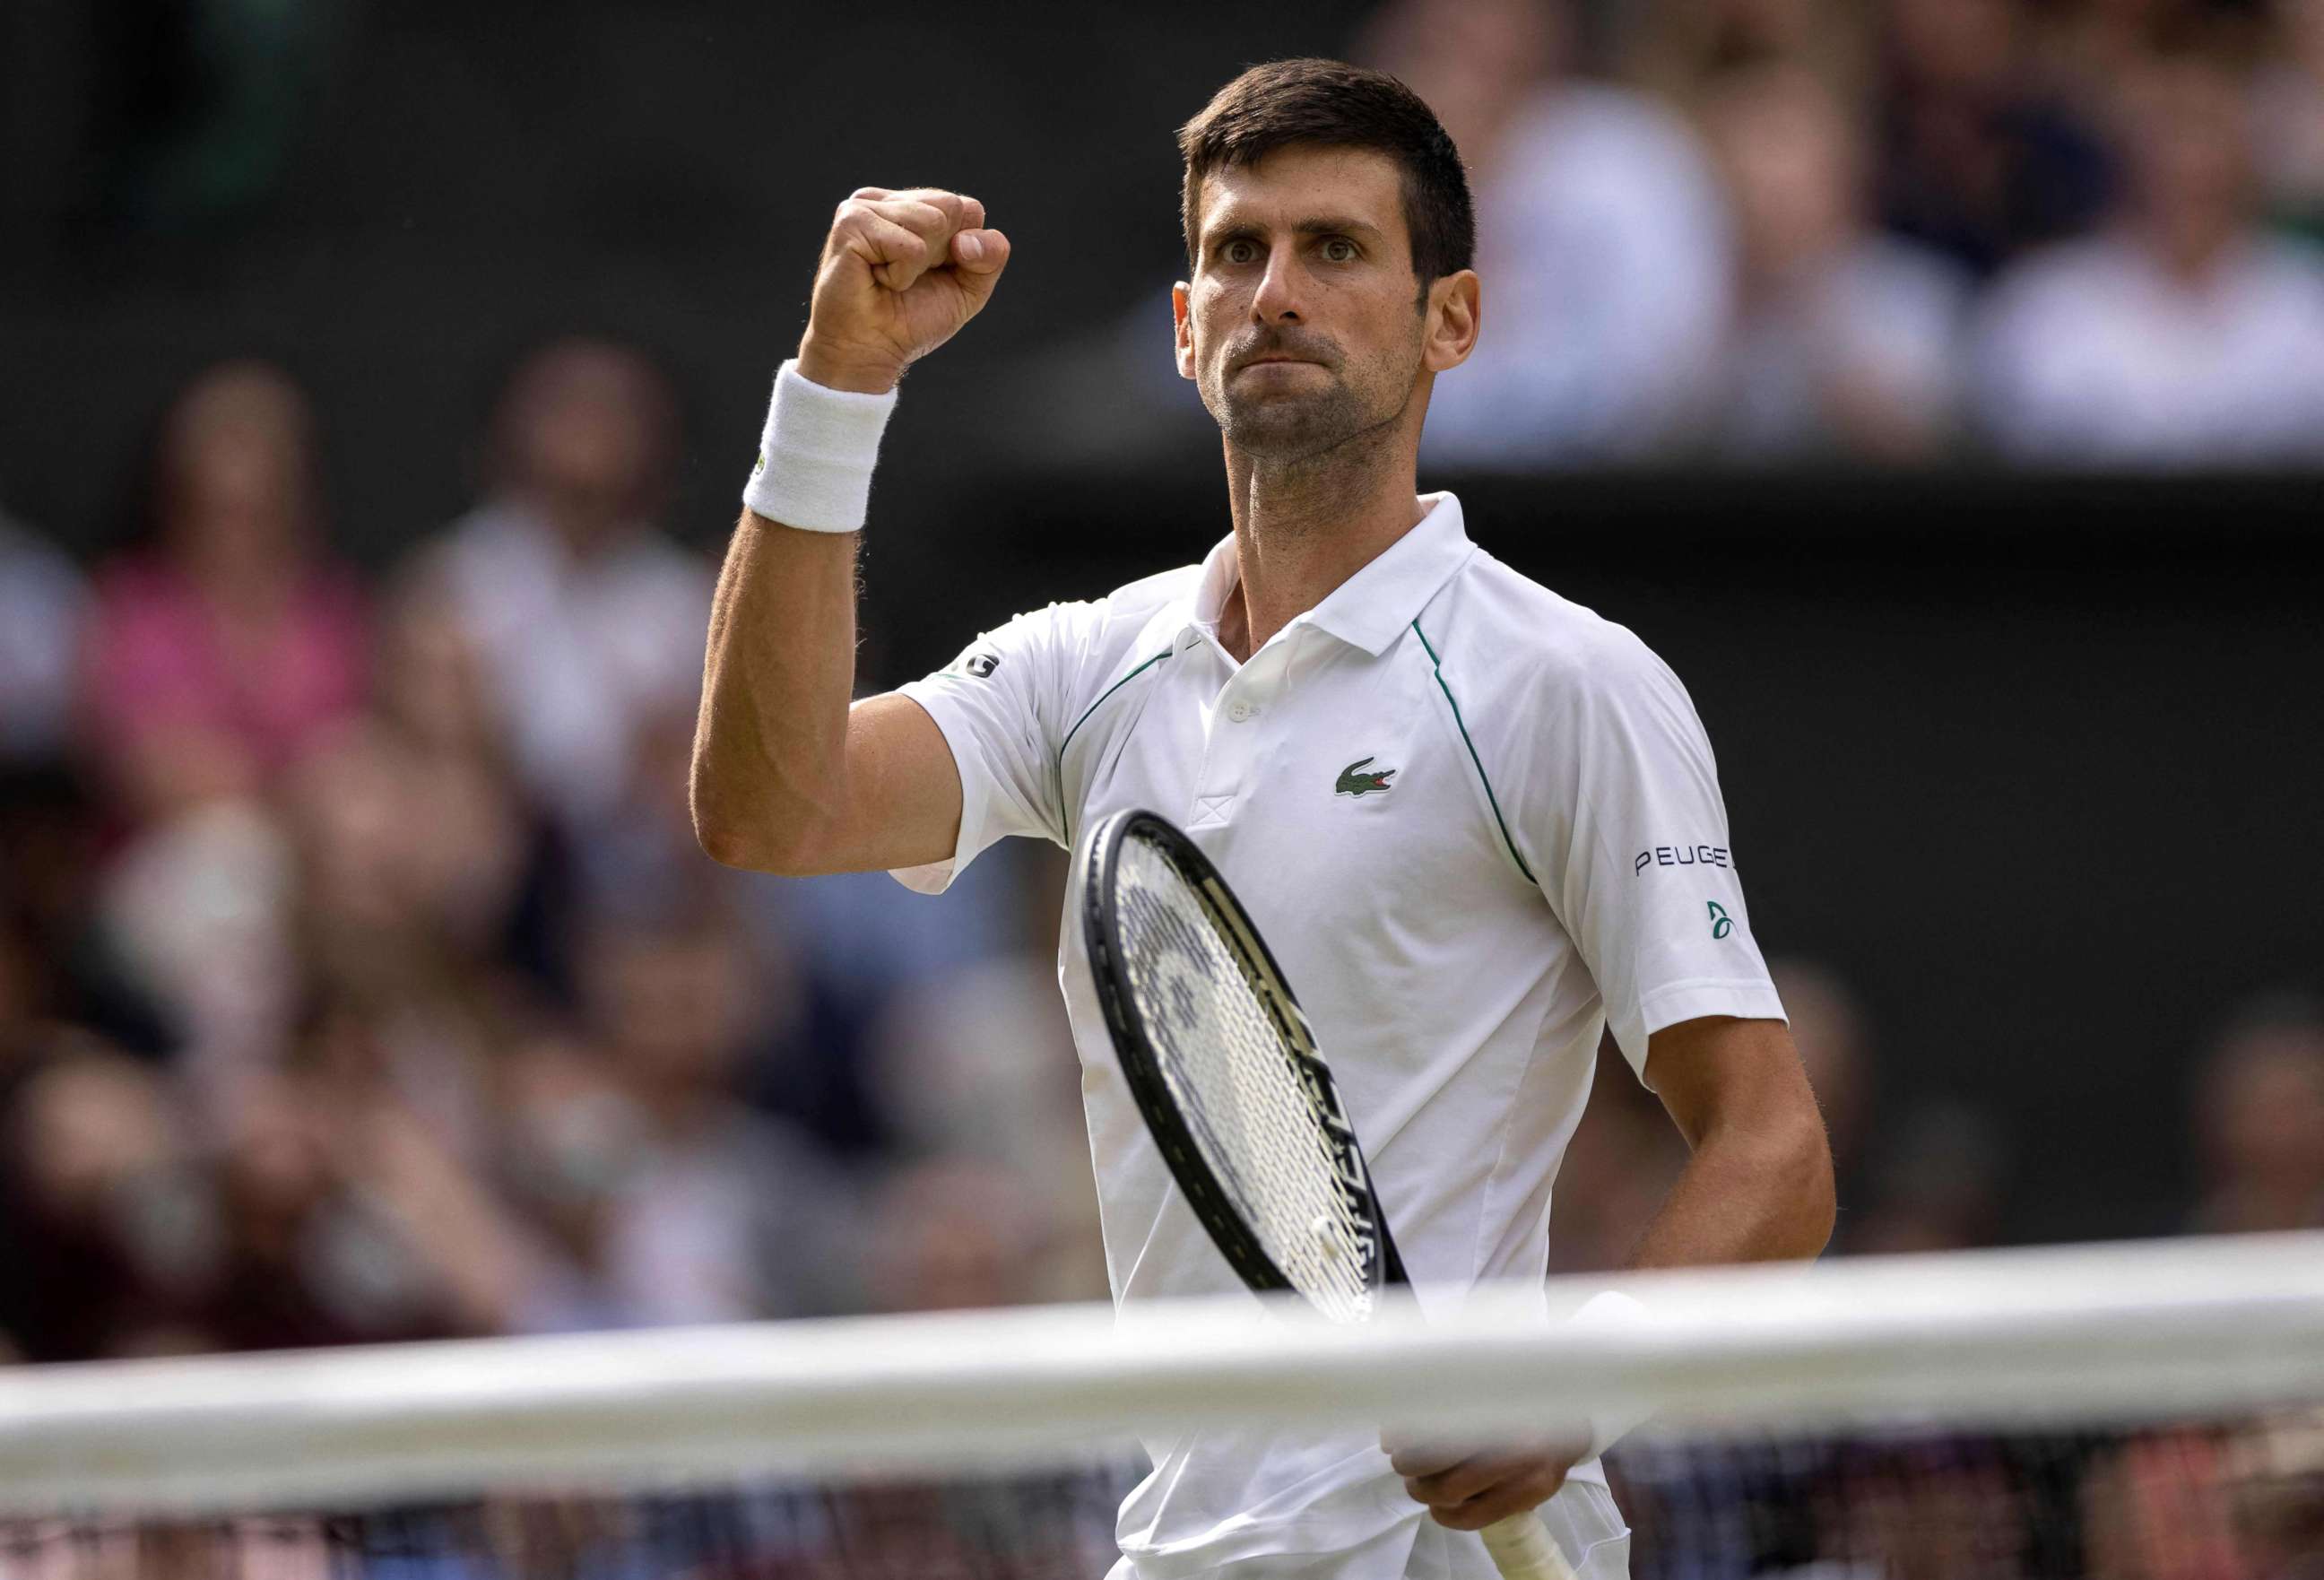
1241 250
1339 249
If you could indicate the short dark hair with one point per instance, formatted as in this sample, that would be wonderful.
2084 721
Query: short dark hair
1285 102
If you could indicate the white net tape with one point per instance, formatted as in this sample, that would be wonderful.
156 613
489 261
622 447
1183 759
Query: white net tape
2010 1339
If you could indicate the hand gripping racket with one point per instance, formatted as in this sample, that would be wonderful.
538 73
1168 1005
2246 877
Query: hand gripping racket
1226 1072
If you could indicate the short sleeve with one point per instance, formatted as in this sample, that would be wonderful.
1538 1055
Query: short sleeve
998 706
1621 808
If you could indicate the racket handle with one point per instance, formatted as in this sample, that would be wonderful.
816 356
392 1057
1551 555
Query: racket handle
1522 1549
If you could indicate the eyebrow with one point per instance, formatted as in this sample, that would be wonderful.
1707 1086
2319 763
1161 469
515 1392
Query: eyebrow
1230 229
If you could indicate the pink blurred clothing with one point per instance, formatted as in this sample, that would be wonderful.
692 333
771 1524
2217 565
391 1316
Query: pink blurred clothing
163 663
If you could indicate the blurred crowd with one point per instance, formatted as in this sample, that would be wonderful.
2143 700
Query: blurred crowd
2058 232
360 977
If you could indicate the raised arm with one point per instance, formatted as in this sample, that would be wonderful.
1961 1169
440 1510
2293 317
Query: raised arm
787 776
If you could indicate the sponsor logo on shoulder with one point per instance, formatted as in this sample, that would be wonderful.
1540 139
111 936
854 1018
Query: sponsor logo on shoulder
1359 779
1680 856
981 665
1721 924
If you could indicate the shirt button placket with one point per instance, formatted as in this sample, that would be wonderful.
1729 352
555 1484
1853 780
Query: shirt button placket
1234 745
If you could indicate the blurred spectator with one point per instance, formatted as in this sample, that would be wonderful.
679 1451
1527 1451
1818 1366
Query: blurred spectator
2185 335
2288 104
2275 1490
1678 47
587 621
1977 158
1844 338
408 868
975 1068
222 646
2087 46
1938 1182
2154 1509
96 1206
42 602
961 1234
2259 1117
199 907
1600 237
344 1220
717 1214
70 966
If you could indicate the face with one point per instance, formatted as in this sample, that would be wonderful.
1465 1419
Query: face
2186 136
1300 325
238 468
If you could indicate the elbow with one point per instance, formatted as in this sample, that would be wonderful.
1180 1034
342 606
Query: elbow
729 845
768 843
730 835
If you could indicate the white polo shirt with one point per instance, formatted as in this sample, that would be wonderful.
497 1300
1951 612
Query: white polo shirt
1476 823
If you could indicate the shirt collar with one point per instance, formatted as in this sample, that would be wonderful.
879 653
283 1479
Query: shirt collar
1372 607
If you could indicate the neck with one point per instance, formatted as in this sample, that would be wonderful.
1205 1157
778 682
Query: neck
2191 251
1302 527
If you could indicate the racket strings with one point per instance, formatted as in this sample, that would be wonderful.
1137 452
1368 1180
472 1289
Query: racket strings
1236 1077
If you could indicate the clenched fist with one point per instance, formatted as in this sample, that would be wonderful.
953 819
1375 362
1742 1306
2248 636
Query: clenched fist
901 273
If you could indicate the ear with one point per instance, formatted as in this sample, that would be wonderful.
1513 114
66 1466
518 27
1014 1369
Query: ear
1456 315
1183 322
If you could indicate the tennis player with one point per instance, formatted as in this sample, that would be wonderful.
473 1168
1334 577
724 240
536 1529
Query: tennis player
1477 823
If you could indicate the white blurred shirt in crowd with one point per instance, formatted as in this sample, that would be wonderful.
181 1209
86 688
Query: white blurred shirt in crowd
1880 321
2091 354
1605 249
42 603
580 650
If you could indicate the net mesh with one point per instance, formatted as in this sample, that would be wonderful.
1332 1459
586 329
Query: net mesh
2214 1499
1057 1526
2133 1415
1253 1114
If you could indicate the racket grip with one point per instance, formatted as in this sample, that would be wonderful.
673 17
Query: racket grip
1523 1549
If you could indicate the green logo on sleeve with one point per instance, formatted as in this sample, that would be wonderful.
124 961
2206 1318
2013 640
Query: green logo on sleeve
1355 781
1721 924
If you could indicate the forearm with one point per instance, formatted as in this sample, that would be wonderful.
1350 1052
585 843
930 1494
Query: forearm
782 782
770 743
1745 1196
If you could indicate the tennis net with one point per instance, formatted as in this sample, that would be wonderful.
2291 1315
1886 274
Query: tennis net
2153 1410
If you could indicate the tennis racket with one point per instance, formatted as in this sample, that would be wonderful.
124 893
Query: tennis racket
1225 1069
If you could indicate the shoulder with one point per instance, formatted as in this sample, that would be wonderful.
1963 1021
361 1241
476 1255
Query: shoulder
1507 635
2290 266
1056 662
2062 285
1094 636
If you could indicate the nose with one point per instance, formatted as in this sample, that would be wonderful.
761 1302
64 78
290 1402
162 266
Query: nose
1278 300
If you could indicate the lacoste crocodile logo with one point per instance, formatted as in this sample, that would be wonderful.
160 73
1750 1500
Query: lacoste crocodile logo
1355 781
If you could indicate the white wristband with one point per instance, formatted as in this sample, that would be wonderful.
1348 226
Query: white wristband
1611 1309
816 457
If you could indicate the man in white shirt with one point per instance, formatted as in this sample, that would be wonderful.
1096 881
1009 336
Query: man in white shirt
1477 823
2184 336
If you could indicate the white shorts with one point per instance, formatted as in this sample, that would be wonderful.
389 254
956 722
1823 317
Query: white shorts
1582 1520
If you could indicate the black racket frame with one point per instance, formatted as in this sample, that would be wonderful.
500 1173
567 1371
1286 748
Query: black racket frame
1140 1069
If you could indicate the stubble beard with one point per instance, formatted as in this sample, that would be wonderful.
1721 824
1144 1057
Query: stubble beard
1297 430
